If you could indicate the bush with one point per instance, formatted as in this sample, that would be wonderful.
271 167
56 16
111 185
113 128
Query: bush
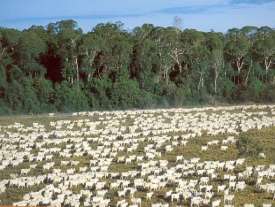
255 90
45 93
98 93
126 93
228 88
249 147
269 93
4 109
70 98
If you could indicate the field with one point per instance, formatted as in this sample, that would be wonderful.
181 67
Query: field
222 156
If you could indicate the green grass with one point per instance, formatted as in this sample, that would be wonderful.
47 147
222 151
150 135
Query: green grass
264 137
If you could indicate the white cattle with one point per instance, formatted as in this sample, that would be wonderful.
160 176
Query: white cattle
228 198
224 148
216 203
248 205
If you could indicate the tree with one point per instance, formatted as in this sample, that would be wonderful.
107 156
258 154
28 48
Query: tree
197 55
170 50
236 51
117 47
178 22
9 39
30 47
264 51
144 59
249 31
216 47
45 94
68 34
60 68
70 98
90 46
164 53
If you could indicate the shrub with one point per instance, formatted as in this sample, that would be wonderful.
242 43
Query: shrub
249 147
4 109
70 98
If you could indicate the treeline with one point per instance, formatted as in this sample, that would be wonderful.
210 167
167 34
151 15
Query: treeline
60 68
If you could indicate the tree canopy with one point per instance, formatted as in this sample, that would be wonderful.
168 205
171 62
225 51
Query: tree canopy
61 68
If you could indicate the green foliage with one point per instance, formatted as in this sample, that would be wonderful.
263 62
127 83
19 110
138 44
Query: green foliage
13 95
127 94
2 76
4 108
248 147
70 98
269 93
183 96
45 94
29 97
60 68
98 92
255 89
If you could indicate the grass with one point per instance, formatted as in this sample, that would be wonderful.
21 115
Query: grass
264 137
14 194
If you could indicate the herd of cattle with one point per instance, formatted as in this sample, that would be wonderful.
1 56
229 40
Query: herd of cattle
134 159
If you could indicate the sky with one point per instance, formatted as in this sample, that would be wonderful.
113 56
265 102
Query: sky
205 15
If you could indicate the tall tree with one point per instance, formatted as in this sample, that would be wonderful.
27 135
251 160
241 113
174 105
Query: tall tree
68 35
30 48
236 50
264 51
216 48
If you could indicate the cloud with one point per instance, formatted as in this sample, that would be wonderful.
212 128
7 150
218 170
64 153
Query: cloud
183 10
251 1
95 16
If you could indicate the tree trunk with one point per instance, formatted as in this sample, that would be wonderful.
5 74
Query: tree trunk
246 79
175 56
166 76
239 63
200 82
2 54
215 84
76 68
267 66
216 75
91 61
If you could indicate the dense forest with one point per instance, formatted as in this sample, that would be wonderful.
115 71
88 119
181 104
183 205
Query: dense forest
61 68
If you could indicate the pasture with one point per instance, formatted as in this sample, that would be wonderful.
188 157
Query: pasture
222 156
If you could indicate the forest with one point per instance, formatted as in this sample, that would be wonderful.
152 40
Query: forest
60 68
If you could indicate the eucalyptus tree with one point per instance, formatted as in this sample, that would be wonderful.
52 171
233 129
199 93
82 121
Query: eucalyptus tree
264 32
236 50
29 49
197 55
249 31
145 63
115 48
155 64
9 39
67 34
170 50
90 46
215 45
3 55
264 52
201 65
164 38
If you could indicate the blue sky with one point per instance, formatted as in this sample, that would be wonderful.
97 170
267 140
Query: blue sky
205 15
